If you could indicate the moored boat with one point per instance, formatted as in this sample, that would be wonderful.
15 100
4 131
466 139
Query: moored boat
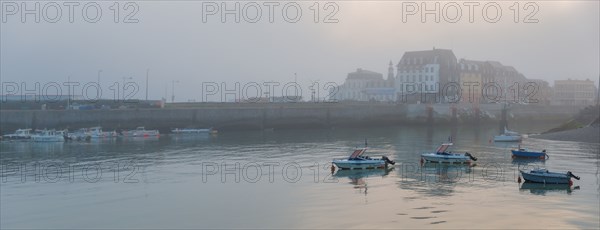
193 131
20 134
356 160
48 136
441 155
508 136
141 132
547 177
80 135
96 132
525 153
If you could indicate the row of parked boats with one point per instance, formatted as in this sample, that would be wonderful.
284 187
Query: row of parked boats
51 135
358 160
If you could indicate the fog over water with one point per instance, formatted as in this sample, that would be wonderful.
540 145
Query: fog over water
171 39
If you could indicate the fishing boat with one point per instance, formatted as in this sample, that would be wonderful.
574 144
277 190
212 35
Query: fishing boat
80 135
20 134
141 132
525 153
357 160
96 132
508 136
441 155
193 131
547 177
48 136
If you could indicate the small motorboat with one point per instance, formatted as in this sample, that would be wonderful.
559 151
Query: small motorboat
547 177
358 161
193 131
20 134
48 136
442 156
96 132
525 153
508 136
141 132
80 135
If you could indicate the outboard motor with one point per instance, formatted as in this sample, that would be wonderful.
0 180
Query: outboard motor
387 160
569 173
471 156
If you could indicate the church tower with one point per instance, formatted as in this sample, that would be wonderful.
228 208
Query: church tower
390 77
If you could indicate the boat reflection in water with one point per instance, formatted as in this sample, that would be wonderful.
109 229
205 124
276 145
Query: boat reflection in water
527 161
543 189
442 172
357 177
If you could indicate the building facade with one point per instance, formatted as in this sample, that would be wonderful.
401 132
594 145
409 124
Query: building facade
435 76
538 91
426 73
471 81
365 85
575 92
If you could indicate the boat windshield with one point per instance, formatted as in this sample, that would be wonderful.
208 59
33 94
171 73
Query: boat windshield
357 153
443 148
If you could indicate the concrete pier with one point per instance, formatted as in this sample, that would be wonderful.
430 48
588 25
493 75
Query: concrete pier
247 116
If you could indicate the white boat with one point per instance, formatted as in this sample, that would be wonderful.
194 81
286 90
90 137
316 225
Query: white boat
358 161
508 136
193 131
48 136
20 134
96 132
141 132
442 156
80 135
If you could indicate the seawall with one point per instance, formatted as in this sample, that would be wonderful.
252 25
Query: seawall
237 116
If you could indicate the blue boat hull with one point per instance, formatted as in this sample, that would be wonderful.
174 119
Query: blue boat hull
552 178
528 154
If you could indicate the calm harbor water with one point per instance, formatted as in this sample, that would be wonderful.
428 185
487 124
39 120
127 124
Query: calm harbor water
282 179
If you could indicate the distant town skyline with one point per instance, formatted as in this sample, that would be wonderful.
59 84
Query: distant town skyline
173 42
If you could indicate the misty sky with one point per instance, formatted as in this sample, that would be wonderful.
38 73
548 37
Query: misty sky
174 43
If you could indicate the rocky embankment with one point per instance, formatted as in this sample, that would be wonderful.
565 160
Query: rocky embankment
584 127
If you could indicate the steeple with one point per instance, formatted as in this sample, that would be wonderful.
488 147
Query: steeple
390 72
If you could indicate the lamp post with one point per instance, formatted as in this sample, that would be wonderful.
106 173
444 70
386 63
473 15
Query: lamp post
147 71
173 90
69 93
99 88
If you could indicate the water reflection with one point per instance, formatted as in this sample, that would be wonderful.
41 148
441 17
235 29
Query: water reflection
360 174
506 145
445 172
543 189
434 179
517 161
429 139
357 178
171 191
